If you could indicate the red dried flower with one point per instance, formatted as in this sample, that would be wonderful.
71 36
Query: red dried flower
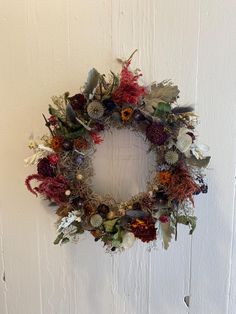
144 229
77 101
97 139
156 133
129 91
164 219
52 120
53 159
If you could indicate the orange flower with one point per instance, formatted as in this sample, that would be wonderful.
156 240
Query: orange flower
126 114
56 143
81 143
164 177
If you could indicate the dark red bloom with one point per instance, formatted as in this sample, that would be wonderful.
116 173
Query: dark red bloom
97 139
53 159
44 168
144 229
156 133
77 101
52 120
164 219
129 91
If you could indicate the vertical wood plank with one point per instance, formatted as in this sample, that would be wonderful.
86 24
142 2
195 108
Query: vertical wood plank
212 242
166 35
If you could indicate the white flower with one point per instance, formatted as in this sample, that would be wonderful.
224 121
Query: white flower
184 140
40 151
128 240
67 221
199 150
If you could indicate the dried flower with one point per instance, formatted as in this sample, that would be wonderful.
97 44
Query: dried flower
164 177
109 104
52 120
56 143
81 143
129 91
144 229
164 219
44 168
97 139
53 188
96 220
53 159
182 186
156 133
77 101
171 157
128 240
95 110
126 114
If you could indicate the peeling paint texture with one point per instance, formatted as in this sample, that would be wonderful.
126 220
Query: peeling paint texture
47 48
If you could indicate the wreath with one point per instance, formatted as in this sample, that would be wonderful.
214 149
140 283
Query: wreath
64 160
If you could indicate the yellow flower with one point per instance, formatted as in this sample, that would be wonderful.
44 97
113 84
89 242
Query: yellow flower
126 114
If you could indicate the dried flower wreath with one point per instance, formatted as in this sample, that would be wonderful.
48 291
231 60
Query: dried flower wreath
64 160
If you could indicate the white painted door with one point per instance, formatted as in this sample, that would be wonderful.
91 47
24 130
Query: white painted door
47 47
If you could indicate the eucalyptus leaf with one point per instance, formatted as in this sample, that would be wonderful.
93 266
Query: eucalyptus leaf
167 231
162 108
92 82
110 224
59 238
70 114
187 220
200 163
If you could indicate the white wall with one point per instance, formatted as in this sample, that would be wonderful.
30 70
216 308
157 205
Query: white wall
47 47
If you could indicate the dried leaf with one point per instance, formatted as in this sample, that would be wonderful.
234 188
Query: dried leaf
167 231
92 82
109 224
164 92
161 109
70 114
179 110
188 220
200 163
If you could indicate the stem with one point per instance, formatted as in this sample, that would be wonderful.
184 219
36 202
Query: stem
48 125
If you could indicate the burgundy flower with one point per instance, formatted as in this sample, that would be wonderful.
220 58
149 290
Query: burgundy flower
144 229
53 188
44 168
164 219
77 101
156 133
52 120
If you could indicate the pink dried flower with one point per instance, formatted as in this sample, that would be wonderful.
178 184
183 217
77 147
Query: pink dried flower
129 91
97 139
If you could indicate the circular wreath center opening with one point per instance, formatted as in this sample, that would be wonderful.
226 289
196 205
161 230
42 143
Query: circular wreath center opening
122 164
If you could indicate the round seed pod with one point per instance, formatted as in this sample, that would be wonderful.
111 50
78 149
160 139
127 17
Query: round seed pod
96 220
95 110
171 157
